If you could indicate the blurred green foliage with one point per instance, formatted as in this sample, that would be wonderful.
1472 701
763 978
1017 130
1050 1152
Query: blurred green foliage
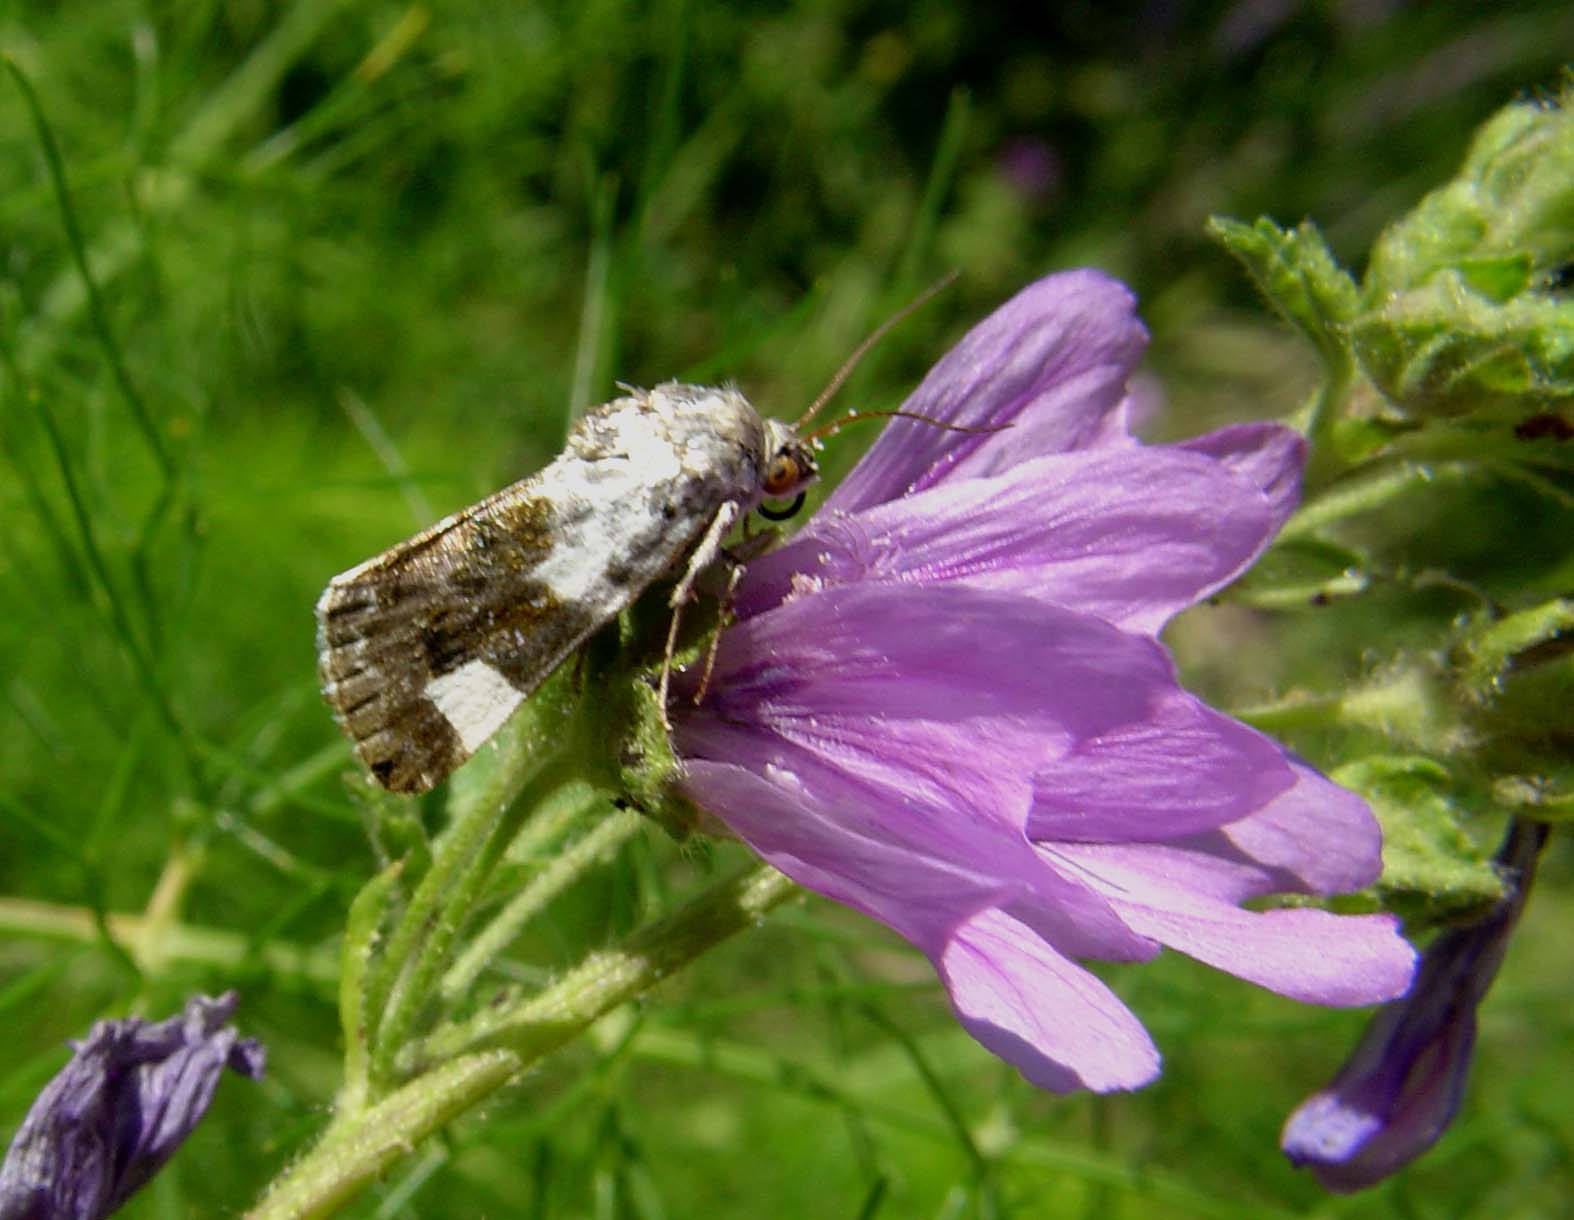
360 262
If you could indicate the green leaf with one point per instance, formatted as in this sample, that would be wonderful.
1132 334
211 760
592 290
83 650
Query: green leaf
1459 309
1517 674
368 914
1499 277
1431 868
1446 349
1492 649
1298 274
1543 797
1512 201
1300 572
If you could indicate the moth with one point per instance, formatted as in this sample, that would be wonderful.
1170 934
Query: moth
426 650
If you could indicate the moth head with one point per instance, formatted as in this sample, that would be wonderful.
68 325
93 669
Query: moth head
790 466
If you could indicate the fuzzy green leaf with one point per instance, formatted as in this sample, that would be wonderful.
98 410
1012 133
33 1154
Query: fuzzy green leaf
1446 349
1511 202
1460 313
1518 678
1431 867
1298 274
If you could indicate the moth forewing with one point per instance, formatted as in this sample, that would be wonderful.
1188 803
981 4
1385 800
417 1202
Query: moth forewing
427 649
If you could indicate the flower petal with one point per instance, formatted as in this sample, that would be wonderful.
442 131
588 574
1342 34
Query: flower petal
797 829
1182 769
926 738
1269 457
1348 1140
112 1117
942 654
1316 838
1060 1026
1130 535
1185 899
1048 1017
1051 363
977 691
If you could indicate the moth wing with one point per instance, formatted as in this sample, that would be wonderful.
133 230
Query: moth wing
427 649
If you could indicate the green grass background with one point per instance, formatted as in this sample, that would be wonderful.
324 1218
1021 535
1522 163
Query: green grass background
360 263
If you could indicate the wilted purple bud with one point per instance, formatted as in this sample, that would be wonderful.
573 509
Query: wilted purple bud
111 1117
1401 1088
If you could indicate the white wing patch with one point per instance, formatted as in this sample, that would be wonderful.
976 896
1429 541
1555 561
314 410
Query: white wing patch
475 699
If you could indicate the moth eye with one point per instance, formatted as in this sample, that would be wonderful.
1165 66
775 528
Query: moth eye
781 476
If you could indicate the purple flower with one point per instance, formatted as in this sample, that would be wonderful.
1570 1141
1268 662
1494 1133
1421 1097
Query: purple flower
944 704
109 1120
1403 1084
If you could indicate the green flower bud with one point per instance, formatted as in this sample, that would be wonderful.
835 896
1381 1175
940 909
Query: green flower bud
1461 309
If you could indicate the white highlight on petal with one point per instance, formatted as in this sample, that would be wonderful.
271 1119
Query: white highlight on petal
475 699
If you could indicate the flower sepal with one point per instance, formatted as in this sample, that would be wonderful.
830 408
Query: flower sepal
629 730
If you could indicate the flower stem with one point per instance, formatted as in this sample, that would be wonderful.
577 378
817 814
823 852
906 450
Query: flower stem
162 912
1324 461
213 948
534 1026
461 866
360 935
1371 489
357 1148
356 1151
604 839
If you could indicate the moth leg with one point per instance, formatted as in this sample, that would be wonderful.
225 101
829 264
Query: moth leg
753 545
734 575
705 554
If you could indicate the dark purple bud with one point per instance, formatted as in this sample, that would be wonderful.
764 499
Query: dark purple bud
1402 1086
115 1114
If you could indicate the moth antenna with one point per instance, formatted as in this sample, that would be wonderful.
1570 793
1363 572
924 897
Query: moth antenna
880 332
836 425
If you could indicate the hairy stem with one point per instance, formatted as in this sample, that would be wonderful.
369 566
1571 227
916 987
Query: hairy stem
544 1021
358 1148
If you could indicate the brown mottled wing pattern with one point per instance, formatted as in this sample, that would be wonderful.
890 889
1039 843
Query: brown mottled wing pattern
427 648
460 591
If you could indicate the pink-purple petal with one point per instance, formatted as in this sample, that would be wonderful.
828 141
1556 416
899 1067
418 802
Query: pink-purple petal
1048 1017
1185 900
1049 367
1266 456
1403 1083
922 739
853 794
1181 769
1131 536
796 829
889 652
1316 838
